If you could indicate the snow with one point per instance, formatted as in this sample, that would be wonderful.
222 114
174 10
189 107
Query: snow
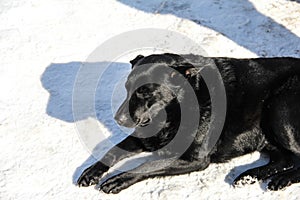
42 45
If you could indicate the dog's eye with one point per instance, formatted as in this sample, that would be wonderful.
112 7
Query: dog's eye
143 93
139 95
142 90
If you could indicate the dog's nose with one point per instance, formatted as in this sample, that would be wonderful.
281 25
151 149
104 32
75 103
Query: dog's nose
120 119
125 121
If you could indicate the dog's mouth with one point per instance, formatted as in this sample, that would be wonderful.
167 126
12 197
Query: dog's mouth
144 122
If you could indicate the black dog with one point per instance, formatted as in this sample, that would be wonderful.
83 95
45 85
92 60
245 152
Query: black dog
263 114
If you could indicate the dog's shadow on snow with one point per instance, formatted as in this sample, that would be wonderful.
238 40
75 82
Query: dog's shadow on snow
68 92
240 21
98 80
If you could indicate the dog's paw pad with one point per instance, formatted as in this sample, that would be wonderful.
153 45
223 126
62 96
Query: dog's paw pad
245 180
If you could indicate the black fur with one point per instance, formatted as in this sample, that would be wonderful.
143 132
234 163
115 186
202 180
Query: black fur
263 114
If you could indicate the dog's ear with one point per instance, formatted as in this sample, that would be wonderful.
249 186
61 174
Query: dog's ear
191 72
134 61
187 71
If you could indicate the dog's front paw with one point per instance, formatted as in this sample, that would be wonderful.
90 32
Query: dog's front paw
119 182
92 175
244 180
279 183
250 176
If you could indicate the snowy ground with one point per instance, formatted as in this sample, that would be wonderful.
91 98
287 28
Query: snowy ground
42 44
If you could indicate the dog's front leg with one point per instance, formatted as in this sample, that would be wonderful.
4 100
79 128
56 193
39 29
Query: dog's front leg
128 147
163 168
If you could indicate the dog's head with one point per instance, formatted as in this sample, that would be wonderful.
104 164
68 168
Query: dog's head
151 90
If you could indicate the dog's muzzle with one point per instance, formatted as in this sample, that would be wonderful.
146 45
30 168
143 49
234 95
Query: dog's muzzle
125 121
123 118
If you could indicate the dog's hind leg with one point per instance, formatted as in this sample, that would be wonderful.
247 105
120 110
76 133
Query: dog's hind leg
280 161
281 126
284 115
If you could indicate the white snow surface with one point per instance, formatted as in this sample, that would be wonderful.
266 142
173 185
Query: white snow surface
43 43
